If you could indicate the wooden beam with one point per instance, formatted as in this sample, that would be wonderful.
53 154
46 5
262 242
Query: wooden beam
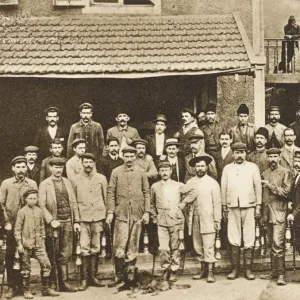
282 78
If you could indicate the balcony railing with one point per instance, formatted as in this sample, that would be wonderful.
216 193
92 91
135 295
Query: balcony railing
281 55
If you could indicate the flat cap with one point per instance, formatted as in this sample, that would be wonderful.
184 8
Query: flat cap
160 118
297 154
171 142
274 108
57 161
196 137
196 159
164 164
18 159
88 156
239 146
273 151
57 141
31 149
129 149
29 192
187 110
85 105
243 109
78 141
51 109
139 141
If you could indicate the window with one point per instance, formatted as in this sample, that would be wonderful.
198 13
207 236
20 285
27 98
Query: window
122 6
8 2
68 2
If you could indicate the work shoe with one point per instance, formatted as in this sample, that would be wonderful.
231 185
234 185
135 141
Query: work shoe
248 262
203 273
64 286
173 277
46 290
210 277
93 272
10 293
26 292
273 274
235 262
281 270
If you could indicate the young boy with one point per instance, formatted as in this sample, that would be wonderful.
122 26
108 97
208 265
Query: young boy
30 238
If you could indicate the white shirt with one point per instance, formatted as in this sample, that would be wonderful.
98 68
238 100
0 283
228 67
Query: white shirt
52 131
159 138
225 151
174 161
290 148
113 157
30 166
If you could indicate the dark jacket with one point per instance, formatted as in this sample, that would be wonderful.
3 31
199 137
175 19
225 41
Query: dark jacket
181 169
221 163
151 147
34 174
295 198
106 164
296 127
250 132
45 170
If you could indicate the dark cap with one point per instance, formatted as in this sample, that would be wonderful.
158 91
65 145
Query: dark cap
160 118
18 159
85 106
29 192
273 151
274 108
211 107
57 161
164 164
197 159
51 109
57 141
187 110
121 110
297 154
196 137
129 149
31 149
263 131
111 139
78 141
243 109
88 156
239 146
292 18
171 142
139 141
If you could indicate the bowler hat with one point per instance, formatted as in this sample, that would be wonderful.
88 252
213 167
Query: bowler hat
57 161
18 159
273 151
196 159
78 141
139 141
85 106
29 192
243 109
263 131
129 149
88 156
160 118
238 146
31 149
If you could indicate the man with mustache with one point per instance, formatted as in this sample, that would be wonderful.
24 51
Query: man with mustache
275 128
123 132
241 203
211 131
90 190
61 215
205 192
33 168
88 130
145 161
74 164
56 149
46 135
107 163
128 201
259 155
244 131
288 150
296 125
11 199
276 182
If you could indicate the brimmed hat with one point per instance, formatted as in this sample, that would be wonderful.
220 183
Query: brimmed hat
31 149
297 154
196 137
160 118
243 109
171 142
88 156
239 146
196 159
18 159
57 161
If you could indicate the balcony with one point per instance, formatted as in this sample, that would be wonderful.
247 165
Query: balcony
283 61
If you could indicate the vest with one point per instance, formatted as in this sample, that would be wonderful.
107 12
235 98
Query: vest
62 202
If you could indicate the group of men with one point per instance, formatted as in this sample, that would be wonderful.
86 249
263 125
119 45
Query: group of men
183 184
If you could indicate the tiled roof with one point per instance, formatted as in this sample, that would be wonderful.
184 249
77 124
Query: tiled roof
107 45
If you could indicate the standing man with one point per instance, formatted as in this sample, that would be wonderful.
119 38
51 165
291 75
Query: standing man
56 149
259 155
241 199
58 202
45 135
123 132
201 118
288 150
90 190
107 163
33 168
275 128
11 199
88 130
211 131
145 161
208 214
296 125
157 140
128 201
196 144
244 131
74 164
188 129
276 182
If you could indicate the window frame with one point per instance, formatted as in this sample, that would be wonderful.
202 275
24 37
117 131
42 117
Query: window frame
9 2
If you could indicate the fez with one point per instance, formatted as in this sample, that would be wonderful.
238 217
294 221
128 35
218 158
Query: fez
171 142
160 118
78 141
211 107
29 192
243 109
238 146
164 164
88 156
18 159
263 131
273 151
128 149
139 141
121 110
31 149
195 138
197 159
187 110
51 109
57 161
85 106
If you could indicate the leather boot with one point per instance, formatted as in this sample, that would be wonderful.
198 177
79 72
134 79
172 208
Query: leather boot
26 291
119 267
46 290
84 273
64 286
235 262
93 271
173 277
166 274
281 271
273 273
248 262
210 276
203 273
11 292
